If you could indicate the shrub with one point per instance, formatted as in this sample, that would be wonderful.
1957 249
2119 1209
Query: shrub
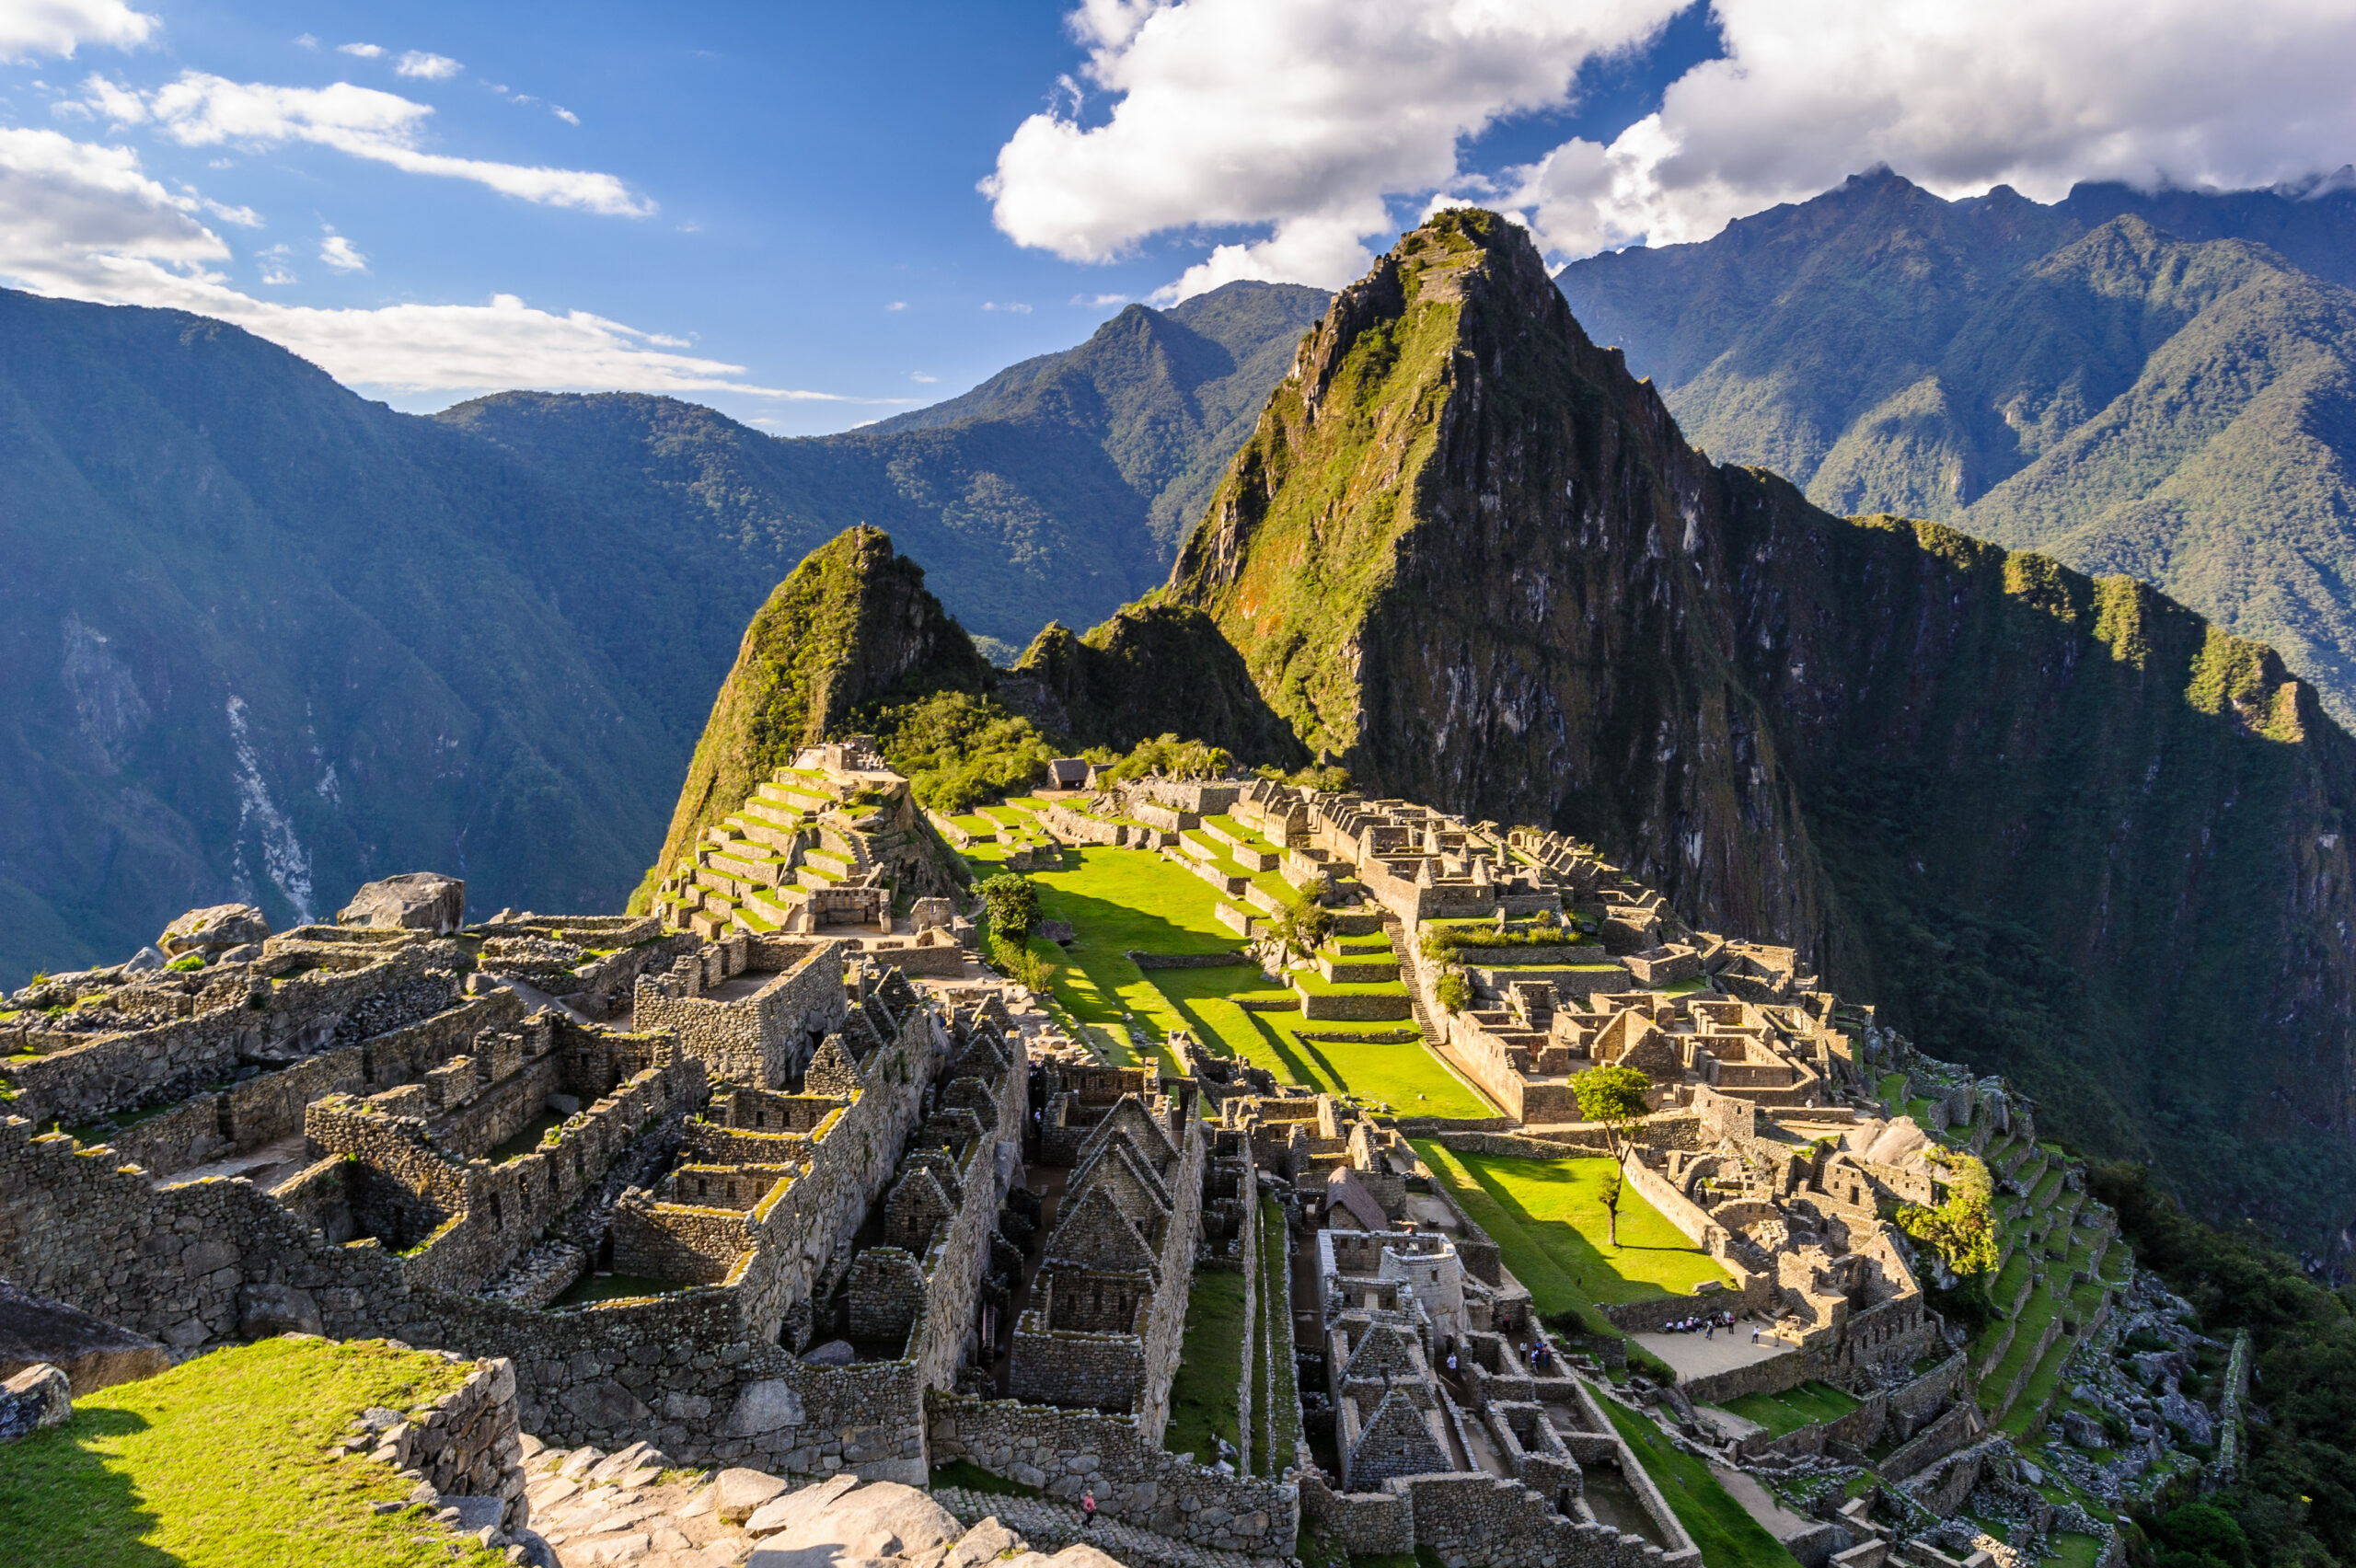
1013 904
1305 923
1173 759
1453 990
1443 942
958 750
187 962
1961 1231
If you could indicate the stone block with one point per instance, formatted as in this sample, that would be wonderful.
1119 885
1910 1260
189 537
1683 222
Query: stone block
94 1353
37 1397
414 901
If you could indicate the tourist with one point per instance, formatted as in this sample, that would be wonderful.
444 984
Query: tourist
1088 1508
1755 1333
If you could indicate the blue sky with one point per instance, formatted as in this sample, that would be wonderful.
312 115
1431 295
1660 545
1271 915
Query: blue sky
775 208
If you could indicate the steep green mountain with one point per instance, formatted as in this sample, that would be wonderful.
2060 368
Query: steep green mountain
853 625
268 640
2150 384
2055 826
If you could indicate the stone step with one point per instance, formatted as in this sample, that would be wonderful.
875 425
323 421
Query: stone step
1050 1527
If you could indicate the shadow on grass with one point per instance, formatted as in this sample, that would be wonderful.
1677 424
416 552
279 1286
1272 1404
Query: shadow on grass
67 1506
1568 1244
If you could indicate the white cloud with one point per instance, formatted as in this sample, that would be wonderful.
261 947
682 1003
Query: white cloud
1300 115
82 220
306 41
427 67
2037 94
920 376
564 114
118 104
59 27
897 304
204 110
363 51
339 253
1018 309
1300 121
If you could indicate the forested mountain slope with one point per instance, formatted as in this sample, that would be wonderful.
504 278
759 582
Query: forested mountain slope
2158 384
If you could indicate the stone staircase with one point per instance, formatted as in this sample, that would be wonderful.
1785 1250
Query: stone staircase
1050 1527
756 869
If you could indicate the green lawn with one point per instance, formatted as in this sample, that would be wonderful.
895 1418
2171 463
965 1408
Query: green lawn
1554 1229
1210 1366
1726 1534
1401 1074
1121 899
219 1464
1794 1408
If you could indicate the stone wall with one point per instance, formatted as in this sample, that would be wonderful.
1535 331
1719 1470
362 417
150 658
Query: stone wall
760 1038
1474 1517
296 1016
1061 1451
468 1443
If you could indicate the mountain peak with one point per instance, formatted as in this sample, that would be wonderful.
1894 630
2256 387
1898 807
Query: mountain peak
852 624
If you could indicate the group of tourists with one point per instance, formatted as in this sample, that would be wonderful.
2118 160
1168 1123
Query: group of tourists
1707 1326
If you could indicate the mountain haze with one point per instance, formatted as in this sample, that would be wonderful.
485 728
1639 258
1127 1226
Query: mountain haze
2157 385
269 640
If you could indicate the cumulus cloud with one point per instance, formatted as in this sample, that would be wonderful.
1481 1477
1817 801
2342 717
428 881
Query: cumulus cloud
339 253
83 221
198 110
1298 115
2037 94
428 67
1303 121
360 51
29 28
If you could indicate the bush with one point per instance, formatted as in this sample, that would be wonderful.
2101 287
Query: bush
1305 923
959 751
1014 904
1443 942
1453 990
187 962
1019 964
1960 1231
1173 759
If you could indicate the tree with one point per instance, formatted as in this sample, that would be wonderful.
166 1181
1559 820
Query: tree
1306 922
1013 904
1962 1231
1614 1099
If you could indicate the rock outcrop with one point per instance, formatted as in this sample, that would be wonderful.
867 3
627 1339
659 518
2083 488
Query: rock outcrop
93 1353
414 901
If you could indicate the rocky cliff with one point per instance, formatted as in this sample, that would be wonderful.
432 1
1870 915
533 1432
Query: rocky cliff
2054 827
853 625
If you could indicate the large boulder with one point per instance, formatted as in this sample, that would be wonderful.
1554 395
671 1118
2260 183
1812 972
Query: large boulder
213 930
881 1519
265 1312
414 901
34 1398
94 1353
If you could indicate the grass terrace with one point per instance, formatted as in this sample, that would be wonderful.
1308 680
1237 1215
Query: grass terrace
220 1463
1807 1405
1276 1431
1724 1530
1210 1366
1547 1219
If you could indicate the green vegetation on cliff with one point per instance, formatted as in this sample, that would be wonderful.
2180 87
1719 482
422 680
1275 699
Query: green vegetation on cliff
2152 384
852 626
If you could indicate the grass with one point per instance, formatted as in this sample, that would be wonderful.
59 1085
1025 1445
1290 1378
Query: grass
218 1463
1553 1214
527 1138
1400 1074
1120 900
1807 1405
1210 1366
1275 1431
592 1288
1724 1530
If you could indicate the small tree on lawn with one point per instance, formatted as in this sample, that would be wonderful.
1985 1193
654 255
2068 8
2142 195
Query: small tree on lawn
1013 904
1614 1099
1306 922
